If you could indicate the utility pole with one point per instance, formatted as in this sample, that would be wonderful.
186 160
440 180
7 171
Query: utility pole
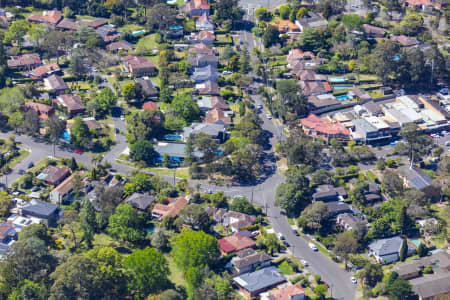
252 196
174 173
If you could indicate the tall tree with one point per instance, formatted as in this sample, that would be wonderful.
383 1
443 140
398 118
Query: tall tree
88 221
161 16
55 129
345 244
16 31
372 274
148 271
419 144
404 250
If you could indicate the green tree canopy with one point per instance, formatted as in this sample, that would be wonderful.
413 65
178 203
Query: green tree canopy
126 224
194 249
148 271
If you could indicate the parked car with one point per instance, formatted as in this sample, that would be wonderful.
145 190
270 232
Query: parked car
295 232
312 246
353 279
280 236
268 116
304 262
78 151
30 165
286 243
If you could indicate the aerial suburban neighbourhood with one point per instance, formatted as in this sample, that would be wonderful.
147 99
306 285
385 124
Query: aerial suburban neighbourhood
224 149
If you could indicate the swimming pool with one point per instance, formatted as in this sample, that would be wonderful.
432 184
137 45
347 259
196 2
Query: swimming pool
66 135
416 242
136 33
172 137
336 79
343 97
342 87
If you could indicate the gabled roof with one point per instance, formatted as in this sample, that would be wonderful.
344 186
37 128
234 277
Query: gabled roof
298 54
203 35
147 86
210 129
28 59
387 246
405 41
429 286
210 88
66 186
201 48
415 177
285 25
216 116
251 259
235 242
71 102
120 45
44 70
69 24
373 30
55 82
7 230
138 62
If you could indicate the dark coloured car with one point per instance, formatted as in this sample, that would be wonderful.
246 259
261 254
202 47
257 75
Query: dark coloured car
30 165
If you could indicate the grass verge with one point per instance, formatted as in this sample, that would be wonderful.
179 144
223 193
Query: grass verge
22 154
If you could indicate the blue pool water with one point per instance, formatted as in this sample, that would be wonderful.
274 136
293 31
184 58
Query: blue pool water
150 229
343 97
66 135
396 58
136 33
334 79
171 137
342 87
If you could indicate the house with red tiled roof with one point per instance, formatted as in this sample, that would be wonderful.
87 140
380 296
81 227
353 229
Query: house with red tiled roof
196 8
44 111
49 17
419 4
312 88
235 242
298 54
205 37
405 41
202 48
204 23
161 211
208 88
25 61
309 75
44 71
68 24
217 116
139 66
285 26
317 127
150 105
288 292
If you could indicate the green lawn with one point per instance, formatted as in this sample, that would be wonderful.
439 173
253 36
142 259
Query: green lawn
375 93
182 173
176 276
22 154
147 42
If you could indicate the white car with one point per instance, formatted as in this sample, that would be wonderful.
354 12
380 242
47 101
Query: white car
353 279
122 118
268 116
304 262
259 106
313 247
280 236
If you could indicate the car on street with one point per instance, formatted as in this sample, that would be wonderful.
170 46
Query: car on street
312 246
30 165
117 130
21 172
78 151
259 106
122 118
304 263
268 116
35 189
227 72
353 279
285 243
295 232
280 236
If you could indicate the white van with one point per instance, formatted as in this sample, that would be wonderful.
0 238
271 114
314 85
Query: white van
312 246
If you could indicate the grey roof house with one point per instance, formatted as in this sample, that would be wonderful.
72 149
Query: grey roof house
387 250
216 131
141 201
205 74
149 89
327 192
175 151
46 211
255 283
203 60
312 20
